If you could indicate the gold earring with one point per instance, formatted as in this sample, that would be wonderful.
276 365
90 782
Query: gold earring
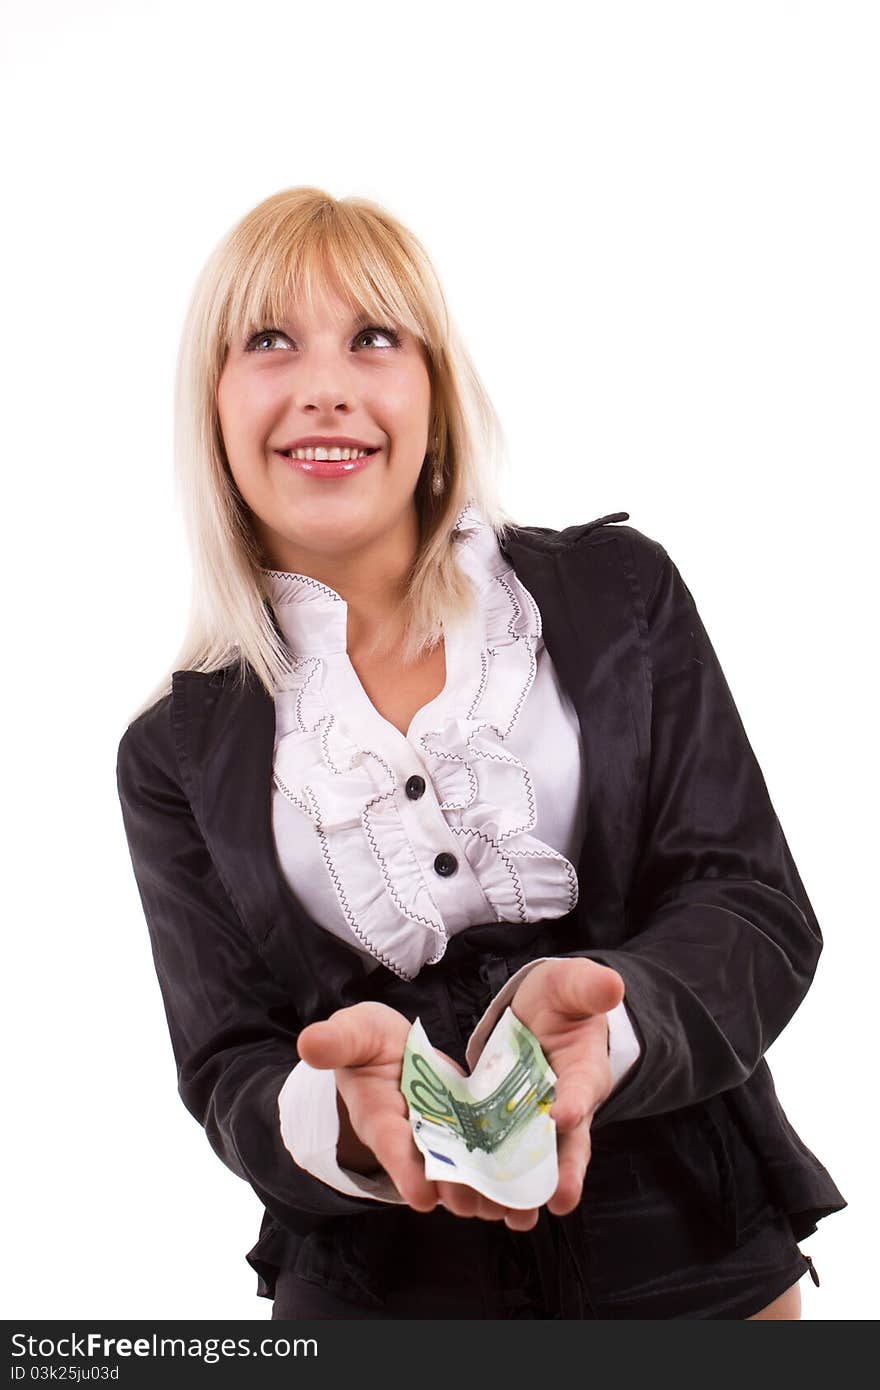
437 483
437 478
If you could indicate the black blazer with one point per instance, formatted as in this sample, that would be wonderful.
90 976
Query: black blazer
687 888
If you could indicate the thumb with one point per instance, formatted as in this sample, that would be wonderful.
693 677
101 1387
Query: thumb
349 1038
587 987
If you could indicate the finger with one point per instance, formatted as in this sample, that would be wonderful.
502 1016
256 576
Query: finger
395 1149
584 987
352 1037
494 1211
573 1151
466 1201
577 1095
458 1198
521 1220
487 1210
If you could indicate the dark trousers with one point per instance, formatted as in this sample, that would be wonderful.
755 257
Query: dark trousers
676 1221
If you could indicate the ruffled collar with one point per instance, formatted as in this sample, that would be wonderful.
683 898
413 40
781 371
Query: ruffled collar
313 617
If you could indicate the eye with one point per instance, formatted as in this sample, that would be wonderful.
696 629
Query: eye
390 333
261 337
371 331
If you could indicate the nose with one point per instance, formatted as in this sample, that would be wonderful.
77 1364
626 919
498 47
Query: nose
324 383
323 403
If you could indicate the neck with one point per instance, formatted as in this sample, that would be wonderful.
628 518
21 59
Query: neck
370 578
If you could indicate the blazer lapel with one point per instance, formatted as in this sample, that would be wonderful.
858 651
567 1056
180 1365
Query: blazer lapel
584 594
225 738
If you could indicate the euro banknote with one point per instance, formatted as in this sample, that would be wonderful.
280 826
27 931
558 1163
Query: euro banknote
491 1130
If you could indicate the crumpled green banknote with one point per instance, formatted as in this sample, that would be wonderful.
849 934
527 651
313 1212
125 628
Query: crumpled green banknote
491 1130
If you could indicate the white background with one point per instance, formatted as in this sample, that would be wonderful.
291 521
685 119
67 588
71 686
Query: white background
657 227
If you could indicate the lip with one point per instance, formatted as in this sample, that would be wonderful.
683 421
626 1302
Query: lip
328 468
326 441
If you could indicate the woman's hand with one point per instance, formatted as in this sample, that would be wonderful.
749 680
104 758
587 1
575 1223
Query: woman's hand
564 1003
364 1045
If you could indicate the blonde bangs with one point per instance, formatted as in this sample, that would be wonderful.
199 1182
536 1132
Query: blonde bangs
293 254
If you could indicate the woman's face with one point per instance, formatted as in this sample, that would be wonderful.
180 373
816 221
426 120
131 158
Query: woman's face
330 374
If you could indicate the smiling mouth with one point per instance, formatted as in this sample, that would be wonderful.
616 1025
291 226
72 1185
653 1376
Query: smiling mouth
328 468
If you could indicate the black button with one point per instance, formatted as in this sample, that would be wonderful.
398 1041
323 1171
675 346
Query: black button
446 864
415 787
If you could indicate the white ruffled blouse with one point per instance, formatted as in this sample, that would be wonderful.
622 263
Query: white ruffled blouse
474 816
397 842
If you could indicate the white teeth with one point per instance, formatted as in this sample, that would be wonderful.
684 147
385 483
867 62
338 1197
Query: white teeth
321 453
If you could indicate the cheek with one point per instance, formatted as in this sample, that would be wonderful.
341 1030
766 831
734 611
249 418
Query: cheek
236 433
226 390
230 419
409 403
246 409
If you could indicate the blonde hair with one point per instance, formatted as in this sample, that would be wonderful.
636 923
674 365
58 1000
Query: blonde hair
279 252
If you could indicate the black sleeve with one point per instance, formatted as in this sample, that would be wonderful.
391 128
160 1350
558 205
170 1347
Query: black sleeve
722 941
233 1028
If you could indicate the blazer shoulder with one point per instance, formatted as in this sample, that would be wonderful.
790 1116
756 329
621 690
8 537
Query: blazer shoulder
646 555
641 552
553 538
148 741
156 741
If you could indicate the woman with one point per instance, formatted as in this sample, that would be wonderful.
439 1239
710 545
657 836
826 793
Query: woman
418 761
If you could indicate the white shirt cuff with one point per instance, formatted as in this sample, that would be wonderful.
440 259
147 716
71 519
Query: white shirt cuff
624 1046
310 1133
